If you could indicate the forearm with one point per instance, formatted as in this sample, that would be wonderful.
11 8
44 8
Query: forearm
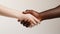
9 12
52 13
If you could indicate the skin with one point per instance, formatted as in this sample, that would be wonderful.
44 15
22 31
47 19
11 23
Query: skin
35 14
48 14
4 11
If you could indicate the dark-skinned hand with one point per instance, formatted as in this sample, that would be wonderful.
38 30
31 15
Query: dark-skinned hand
32 12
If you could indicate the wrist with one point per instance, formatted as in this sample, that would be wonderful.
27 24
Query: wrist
51 13
40 17
20 15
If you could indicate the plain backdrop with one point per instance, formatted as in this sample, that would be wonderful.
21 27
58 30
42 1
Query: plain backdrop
11 26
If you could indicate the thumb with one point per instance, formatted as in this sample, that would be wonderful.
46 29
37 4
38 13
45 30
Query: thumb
27 12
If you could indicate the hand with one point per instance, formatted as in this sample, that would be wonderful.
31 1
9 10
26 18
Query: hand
34 13
28 20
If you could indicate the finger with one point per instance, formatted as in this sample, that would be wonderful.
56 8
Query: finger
27 12
18 20
26 23
22 22
32 22
36 20
30 11
32 25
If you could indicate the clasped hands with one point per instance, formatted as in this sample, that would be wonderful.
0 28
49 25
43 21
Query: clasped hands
31 18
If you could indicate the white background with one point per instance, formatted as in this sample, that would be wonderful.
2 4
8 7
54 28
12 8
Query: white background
11 26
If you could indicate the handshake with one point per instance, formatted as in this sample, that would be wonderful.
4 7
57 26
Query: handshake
28 18
31 18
